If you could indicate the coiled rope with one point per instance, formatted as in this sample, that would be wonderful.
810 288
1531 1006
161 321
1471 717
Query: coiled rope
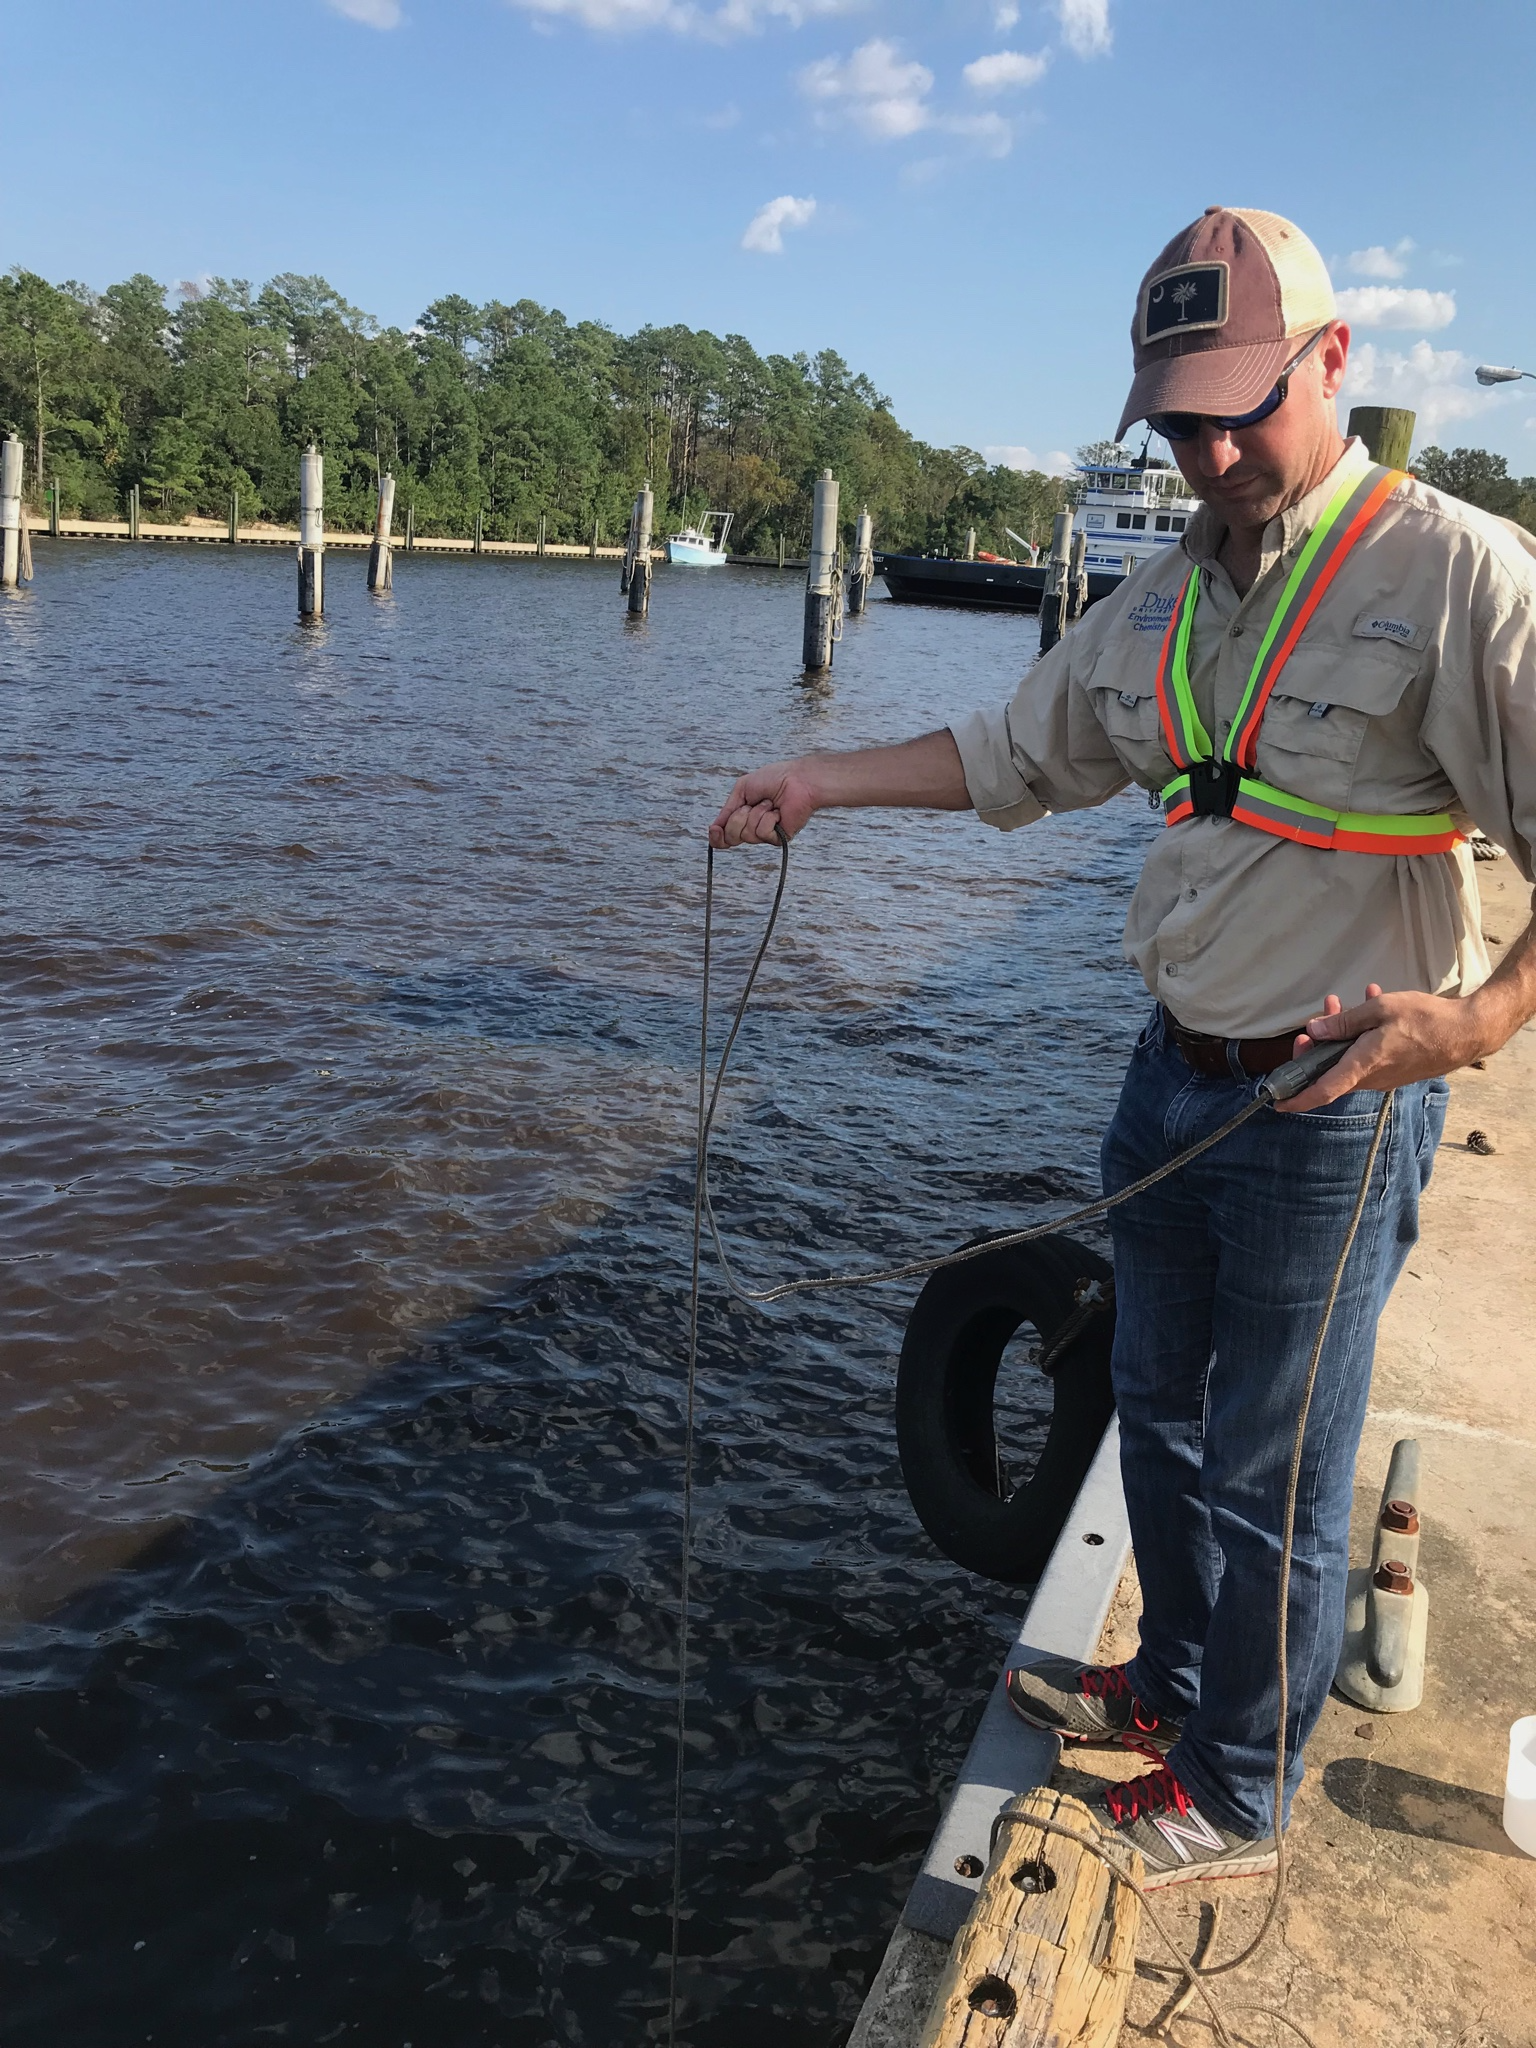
704 1210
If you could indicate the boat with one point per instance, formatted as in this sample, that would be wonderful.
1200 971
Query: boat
701 546
1127 512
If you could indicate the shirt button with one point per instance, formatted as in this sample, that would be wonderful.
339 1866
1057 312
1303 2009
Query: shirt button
1172 967
1190 895
1234 631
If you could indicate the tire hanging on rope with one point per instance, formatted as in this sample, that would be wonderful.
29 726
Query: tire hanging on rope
959 1328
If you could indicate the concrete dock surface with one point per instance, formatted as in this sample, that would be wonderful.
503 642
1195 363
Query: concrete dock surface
1410 1918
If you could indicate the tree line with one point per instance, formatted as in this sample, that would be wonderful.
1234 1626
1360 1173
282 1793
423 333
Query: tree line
1482 479
505 412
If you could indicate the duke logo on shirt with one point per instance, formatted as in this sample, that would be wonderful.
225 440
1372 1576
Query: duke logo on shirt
1152 611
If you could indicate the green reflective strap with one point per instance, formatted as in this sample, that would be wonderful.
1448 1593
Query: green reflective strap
1279 618
1197 741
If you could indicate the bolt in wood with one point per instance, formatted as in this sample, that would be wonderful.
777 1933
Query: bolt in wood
311 534
821 578
381 562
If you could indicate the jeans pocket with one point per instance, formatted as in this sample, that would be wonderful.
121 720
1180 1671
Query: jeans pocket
1151 1034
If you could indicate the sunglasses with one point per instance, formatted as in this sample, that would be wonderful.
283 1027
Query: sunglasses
1184 426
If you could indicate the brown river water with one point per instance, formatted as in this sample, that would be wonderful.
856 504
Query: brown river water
350 980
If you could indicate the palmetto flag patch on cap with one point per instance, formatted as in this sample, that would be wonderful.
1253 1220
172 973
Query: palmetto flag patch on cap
1184 301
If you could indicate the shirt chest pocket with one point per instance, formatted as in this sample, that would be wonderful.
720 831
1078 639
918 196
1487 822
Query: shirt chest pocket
1127 710
1319 712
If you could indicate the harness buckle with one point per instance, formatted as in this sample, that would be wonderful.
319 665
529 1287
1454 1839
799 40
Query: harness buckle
1213 788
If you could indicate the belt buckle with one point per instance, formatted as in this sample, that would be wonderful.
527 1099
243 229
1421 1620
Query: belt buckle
1213 788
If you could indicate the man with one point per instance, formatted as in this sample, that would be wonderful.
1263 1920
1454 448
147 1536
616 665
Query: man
1333 676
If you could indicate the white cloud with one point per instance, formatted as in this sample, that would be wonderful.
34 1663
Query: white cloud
1085 27
1015 456
371 13
765 230
885 96
1379 261
1005 15
1396 305
1006 68
684 17
874 88
1436 383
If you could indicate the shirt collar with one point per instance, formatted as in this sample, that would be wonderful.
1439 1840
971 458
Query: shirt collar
1207 529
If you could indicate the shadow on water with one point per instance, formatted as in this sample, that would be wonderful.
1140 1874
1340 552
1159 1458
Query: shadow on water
381 1745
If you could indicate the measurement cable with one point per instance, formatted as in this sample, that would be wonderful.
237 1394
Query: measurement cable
1280 1086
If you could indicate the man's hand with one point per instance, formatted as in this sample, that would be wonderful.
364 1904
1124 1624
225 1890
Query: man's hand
779 795
924 773
1398 1038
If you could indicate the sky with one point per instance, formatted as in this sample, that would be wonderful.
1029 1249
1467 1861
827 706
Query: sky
959 196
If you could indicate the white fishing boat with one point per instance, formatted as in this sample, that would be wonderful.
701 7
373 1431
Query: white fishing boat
701 546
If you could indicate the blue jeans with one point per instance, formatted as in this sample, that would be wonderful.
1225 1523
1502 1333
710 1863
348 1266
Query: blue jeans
1220 1278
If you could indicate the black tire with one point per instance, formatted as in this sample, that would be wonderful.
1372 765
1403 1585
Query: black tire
956 1336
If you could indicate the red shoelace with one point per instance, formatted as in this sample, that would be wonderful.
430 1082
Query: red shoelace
1158 1792
1109 1682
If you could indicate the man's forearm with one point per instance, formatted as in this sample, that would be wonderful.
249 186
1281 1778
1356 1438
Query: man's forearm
924 773
1507 999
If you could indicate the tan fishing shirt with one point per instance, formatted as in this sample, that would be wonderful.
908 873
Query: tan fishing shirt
1412 689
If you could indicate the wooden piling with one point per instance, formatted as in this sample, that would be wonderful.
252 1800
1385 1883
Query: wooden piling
133 512
54 511
541 536
410 526
781 547
862 573
970 544
821 578
234 517
10 512
381 556
1386 430
1048 1955
1077 577
479 544
311 534
1054 599
640 569
592 551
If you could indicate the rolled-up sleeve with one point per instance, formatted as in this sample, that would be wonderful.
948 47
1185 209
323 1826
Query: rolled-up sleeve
1044 750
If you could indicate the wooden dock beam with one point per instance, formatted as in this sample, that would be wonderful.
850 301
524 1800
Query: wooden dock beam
1058 573
821 578
862 573
381 556
312 534
1386 430
638 565
10 512
1048 1955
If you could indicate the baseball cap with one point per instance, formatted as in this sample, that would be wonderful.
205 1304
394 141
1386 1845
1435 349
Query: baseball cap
1219 314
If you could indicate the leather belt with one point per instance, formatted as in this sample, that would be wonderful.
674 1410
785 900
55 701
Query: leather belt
1207 1056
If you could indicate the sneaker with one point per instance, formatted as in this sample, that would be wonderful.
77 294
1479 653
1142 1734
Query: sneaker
1178 1843
1087 1703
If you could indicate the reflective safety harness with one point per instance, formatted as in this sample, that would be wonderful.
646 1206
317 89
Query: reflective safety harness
1209 785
